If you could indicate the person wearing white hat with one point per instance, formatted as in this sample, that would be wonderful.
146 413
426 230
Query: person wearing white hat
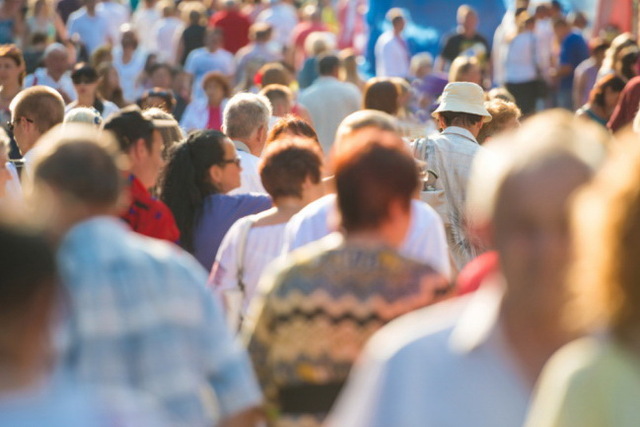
460 115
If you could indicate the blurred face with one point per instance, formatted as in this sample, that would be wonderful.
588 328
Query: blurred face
129 40
85 87
473 75
213 40
57 62
214 92
149 164
161 78
156 101
226 175
532 234
470 22
9 71
611 98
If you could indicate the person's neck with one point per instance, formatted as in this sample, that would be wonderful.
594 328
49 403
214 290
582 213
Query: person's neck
255 147
531 338
19 377
214 103
55 75
127 54
471 130
9 90
372 238
284 208
85 100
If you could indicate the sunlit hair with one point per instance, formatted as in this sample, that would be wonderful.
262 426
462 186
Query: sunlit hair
12 52
502 112
82 163
381 94
610 81
370 175
41 104
291 125
617 44
218 78
186 182
605 278
168 127
287 163
461 66
244 113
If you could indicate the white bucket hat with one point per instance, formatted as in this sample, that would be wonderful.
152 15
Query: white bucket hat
463 97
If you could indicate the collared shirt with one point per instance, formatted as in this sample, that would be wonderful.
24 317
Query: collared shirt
140 317
148 215
455 149
42 77
392 56
250 181
329 101
447 365
425 241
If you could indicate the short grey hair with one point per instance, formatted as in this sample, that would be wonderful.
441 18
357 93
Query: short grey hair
244 114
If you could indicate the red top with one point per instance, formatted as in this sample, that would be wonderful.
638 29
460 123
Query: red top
478 269
215 118
149 216
627 105
235 27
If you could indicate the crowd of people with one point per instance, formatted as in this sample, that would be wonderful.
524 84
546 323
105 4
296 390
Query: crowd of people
210 216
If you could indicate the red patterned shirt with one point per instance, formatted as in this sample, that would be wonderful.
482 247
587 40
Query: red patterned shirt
149 216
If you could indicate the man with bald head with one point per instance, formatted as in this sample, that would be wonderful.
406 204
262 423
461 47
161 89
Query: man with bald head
55 72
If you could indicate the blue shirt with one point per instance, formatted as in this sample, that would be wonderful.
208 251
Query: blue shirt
140 317
573 51
218 214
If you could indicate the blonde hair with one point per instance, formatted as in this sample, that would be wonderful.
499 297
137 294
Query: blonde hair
462 65
501 113
605 278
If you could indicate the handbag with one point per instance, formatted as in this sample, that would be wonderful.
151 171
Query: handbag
423 150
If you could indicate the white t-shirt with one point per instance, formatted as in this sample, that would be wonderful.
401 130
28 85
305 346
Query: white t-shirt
92 30
283 18
425 240
166 36
116 15
522 58
392 56
250 181
200 61
263 245
143 21
130 72
41 77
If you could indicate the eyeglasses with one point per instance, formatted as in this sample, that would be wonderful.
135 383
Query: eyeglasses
11 125
226 162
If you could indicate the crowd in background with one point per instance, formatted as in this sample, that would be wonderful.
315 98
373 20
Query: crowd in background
209 215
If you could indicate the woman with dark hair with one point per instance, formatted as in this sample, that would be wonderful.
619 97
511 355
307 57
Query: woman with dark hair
207 113
291 173
602 99
85 82
381 94
196 179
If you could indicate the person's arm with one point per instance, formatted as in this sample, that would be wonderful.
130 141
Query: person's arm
578 89
61 30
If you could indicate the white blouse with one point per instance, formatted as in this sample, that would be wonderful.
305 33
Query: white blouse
264 244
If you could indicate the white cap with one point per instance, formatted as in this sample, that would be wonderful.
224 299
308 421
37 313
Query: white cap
83 115
463 97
